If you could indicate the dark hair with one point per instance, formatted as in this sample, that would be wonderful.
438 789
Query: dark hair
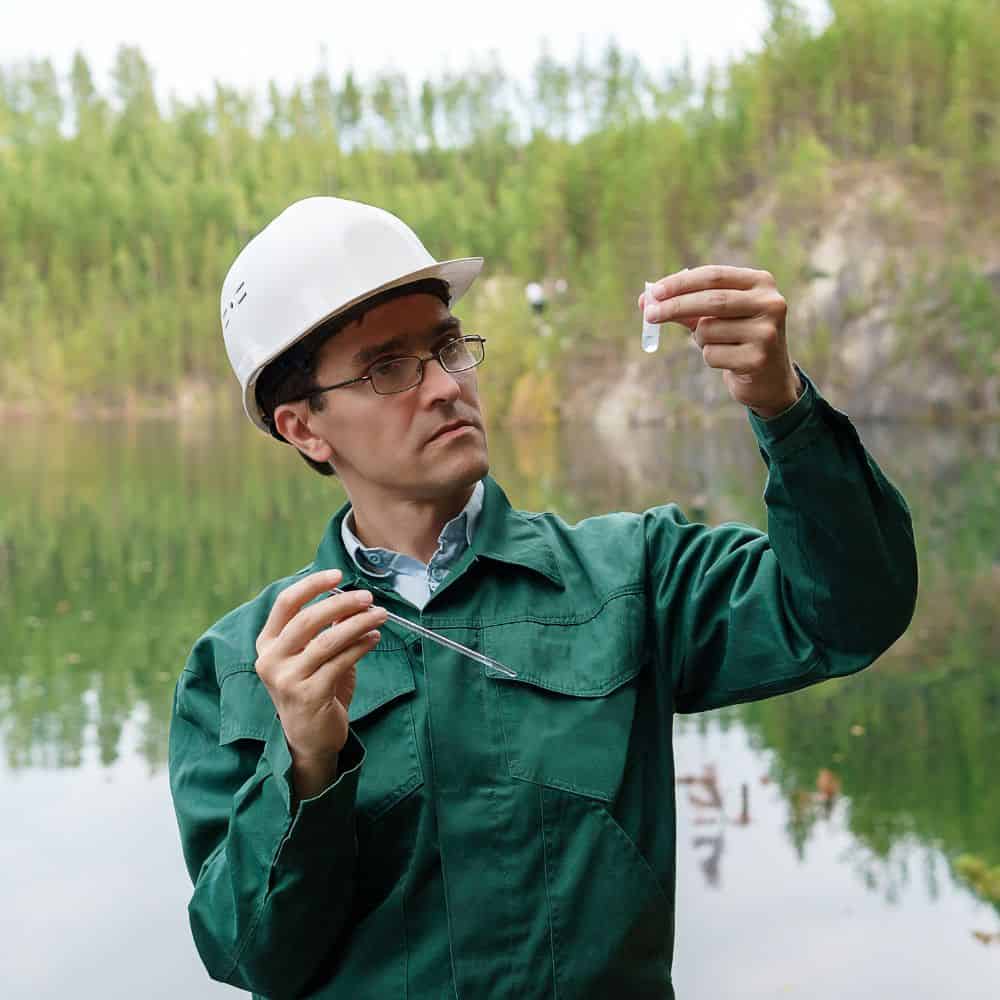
292 375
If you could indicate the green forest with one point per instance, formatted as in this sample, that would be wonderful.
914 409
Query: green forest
122 211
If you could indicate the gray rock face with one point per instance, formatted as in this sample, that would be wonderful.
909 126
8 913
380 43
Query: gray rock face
873 313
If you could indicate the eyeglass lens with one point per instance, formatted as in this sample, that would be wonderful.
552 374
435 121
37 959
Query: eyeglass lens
399 374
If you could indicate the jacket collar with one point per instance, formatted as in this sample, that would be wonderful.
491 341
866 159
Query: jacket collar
512 536
503 534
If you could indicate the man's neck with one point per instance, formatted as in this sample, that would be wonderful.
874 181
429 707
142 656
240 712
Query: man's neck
408 526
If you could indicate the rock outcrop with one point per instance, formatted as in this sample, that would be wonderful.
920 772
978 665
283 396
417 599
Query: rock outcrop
893 308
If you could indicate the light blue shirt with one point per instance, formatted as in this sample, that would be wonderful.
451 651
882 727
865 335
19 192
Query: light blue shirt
409 577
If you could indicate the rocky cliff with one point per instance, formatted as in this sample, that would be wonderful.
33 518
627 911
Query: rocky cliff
894 306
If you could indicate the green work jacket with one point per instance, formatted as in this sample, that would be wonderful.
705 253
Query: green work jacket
497 837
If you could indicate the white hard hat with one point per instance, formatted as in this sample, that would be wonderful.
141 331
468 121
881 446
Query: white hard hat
318 258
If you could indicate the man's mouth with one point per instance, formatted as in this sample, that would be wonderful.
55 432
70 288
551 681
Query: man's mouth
448 428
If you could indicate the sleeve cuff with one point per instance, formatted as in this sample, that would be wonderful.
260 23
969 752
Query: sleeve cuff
339 794
315 817
774 432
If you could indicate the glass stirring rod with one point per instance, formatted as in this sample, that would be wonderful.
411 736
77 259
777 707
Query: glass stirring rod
443 640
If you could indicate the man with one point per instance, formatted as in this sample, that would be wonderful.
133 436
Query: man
368 814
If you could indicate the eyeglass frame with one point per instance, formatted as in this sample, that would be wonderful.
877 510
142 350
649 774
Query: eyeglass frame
434 356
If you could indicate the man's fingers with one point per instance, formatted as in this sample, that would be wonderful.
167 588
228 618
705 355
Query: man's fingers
732 331
325 681
711 290
723 302
709 276
291 599
288 677
689 323
743 359
338 638
300 631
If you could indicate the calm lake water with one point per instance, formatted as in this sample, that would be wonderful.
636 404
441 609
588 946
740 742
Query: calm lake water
817 833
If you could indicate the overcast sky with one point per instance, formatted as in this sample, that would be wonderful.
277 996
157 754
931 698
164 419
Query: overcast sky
189 44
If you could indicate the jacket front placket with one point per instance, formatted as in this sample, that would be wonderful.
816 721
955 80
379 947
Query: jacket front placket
489 824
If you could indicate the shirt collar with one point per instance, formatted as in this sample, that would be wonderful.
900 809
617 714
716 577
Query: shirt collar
383 562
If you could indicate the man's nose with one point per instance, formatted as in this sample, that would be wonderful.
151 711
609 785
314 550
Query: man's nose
439 385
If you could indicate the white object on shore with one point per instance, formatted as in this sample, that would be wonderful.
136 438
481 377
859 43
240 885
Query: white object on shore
650 331
534 293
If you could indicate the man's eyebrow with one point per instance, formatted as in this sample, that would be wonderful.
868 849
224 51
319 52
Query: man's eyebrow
372 351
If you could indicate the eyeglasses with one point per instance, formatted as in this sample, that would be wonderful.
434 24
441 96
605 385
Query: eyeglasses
407 371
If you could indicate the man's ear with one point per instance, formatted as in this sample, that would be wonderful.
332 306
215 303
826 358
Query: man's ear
293 423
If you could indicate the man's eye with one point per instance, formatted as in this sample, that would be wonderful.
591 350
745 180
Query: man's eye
388 367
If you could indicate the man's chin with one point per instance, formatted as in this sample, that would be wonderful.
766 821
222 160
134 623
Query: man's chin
469 471
460 471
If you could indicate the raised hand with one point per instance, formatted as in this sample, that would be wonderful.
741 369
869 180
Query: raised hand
737 318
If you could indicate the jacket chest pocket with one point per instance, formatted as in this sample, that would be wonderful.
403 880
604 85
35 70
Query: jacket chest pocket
380 714
567 717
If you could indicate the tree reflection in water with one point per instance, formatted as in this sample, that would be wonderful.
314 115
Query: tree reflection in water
119 545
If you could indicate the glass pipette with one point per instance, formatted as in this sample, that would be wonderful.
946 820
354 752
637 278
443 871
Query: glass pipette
443 640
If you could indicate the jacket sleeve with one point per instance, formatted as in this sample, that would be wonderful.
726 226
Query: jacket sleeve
742 615
272 888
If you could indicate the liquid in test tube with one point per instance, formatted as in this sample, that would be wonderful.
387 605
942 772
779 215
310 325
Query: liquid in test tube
650 331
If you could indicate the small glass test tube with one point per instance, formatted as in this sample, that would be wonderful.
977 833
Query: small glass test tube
650 331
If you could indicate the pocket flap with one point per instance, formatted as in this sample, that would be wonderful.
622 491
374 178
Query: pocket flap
588 658
577 743
383 675
246 711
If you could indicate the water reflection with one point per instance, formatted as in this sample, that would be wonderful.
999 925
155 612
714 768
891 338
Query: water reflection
705 796
120 544
781 922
